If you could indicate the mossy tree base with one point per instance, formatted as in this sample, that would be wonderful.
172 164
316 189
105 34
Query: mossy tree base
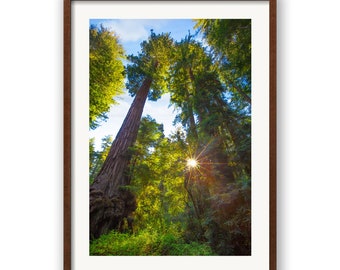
108 213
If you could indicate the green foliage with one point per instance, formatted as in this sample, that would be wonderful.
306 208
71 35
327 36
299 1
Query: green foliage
154 62
97 158
231 44
206 209
228 226
190 62
157 177
106 73
146 243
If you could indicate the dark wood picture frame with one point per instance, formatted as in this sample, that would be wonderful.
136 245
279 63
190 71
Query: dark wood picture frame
68 124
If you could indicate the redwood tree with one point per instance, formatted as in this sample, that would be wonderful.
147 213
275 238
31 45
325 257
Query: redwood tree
230 41
110 199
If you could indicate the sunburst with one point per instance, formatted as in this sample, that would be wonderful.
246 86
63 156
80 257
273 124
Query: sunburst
192 163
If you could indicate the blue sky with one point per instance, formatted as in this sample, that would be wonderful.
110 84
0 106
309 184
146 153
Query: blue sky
131 33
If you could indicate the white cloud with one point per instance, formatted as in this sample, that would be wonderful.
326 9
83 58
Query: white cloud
133 30
130 30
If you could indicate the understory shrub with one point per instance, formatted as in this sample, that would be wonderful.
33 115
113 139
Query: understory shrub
145 243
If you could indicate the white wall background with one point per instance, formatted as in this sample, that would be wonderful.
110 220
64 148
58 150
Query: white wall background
31 47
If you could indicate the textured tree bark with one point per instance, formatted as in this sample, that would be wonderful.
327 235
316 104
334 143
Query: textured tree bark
110 203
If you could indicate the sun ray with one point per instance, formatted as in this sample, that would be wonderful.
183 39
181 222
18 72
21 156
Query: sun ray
205 147
215 163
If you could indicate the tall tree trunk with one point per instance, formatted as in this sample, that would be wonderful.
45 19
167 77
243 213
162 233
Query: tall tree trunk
193 129
110 203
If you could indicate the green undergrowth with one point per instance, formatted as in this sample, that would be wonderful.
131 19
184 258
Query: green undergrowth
146 243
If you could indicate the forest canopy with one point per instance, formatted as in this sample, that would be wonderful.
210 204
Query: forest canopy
106 72
187 193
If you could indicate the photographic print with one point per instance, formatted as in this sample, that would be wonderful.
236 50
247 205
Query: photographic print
170 139
169 134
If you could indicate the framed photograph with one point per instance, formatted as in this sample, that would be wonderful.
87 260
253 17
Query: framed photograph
169 134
